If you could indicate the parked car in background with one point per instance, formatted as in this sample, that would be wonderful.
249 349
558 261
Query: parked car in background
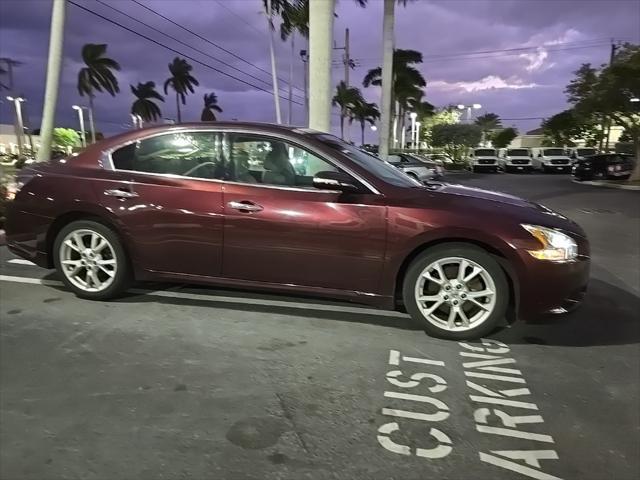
576 154
483 159
551 159
604 166
414 167
515 160
222 204
436 165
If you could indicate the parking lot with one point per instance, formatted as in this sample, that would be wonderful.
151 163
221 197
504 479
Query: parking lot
177 381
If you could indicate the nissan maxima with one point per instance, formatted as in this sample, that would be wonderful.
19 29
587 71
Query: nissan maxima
289 210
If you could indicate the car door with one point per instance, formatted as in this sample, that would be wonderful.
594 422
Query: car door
166 192
280 229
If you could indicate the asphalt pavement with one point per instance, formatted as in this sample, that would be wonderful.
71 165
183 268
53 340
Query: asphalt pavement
176 381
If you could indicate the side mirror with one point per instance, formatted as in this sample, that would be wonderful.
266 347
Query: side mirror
337 181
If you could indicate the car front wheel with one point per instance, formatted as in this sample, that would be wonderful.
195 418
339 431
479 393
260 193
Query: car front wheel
456 291
91 260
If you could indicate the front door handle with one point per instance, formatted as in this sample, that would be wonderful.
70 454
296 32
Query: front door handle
116 192
245 206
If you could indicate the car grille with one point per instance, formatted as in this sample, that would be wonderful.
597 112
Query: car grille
520 162
484 161
559 162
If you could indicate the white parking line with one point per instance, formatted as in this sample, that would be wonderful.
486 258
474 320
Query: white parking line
219 299
20 261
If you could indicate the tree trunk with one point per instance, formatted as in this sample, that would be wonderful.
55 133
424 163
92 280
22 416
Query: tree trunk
387 77
342 124
320 50
178 108
635 175
362 131
92 124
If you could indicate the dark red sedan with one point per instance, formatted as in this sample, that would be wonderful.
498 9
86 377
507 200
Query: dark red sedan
291 210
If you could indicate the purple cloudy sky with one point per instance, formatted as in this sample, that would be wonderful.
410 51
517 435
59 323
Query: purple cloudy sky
515 84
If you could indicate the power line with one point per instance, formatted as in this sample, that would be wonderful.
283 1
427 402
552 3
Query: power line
174 50
183 43
519 50
235 14
209 41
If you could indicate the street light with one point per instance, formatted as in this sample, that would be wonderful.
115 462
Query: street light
474 106
635 100
83 136
374 128
20 131
418 136
413 116
305 59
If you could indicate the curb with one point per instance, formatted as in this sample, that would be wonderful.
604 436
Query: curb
596 183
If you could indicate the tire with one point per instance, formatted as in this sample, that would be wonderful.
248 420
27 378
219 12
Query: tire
491 278
110 258
474 169
544 169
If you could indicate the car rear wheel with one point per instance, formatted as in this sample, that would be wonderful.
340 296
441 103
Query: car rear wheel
456 291
91 260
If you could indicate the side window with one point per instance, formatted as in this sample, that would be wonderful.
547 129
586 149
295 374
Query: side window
268 161
188 154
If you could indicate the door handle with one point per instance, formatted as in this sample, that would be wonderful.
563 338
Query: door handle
116 192
245 206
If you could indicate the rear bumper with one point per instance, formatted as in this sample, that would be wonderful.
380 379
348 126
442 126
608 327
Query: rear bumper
552 287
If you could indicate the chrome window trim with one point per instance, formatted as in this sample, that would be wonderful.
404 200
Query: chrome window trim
107 161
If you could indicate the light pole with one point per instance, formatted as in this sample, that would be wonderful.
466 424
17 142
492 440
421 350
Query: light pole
413 116
83 135
418 136
20 132
320 50
474 106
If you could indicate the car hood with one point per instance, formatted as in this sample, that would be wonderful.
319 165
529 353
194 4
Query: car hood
479 193
478 202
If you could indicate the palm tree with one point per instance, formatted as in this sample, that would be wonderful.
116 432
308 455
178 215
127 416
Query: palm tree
488 123
364 112
97 76
210 105
407 81
181 82
346 98
144 105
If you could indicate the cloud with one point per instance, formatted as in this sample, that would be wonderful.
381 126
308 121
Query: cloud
490 82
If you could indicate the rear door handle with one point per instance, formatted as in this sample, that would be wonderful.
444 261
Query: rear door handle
120 193
245 206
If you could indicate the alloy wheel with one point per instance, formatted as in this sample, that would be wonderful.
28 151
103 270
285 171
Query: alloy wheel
455 294
88 260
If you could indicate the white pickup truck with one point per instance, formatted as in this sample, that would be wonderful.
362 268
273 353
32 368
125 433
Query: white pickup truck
483 159
551 159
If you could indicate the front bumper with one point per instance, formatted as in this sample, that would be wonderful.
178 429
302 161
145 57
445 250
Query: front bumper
549 287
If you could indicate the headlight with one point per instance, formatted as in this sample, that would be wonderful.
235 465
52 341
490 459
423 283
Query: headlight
557 247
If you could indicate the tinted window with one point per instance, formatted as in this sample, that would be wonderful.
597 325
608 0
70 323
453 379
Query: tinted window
188 154
268 161
376 167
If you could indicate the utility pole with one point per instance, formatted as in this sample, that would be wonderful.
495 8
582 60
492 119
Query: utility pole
305 60
54 64
293 50
612 57
387 77
321 14
274 73
17 103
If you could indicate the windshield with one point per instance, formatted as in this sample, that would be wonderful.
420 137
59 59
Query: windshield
555 152
380 169
583 152
485 152
518 152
